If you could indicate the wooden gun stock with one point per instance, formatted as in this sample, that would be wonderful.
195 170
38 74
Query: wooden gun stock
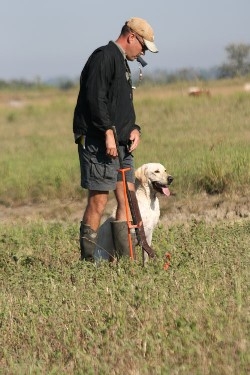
134 209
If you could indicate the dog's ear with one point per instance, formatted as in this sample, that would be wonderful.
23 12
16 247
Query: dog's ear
140 174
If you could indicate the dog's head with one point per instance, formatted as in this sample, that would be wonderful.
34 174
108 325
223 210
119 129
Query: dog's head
155 176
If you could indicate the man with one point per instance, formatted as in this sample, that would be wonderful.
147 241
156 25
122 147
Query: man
105 99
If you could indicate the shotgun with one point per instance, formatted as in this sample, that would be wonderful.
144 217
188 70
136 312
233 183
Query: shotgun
134 208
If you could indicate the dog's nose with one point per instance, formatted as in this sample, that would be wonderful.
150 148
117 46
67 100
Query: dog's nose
170 179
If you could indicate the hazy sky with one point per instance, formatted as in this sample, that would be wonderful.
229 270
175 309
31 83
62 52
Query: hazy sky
52 38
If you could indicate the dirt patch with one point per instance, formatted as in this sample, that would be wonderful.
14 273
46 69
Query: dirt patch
173 211
205 208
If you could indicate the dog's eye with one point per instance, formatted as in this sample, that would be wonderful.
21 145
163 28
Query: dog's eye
157 171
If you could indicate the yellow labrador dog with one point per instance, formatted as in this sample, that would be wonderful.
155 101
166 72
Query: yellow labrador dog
150 179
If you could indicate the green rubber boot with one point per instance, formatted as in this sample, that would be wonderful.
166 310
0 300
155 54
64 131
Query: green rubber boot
120 238
87 242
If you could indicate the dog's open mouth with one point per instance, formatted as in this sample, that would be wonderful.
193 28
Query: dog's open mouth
160 188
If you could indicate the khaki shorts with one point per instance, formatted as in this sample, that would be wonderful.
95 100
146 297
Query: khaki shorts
99 171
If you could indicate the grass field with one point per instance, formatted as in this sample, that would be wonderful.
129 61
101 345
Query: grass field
204 142
61 316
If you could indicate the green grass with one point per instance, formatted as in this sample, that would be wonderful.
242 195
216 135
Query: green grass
62 316
38 159
204 143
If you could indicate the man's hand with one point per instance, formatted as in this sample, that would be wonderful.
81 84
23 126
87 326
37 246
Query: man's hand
111 149
134 139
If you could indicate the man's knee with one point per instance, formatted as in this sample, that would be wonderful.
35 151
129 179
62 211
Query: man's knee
97 201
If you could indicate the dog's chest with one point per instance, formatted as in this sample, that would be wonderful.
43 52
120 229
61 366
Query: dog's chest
150 211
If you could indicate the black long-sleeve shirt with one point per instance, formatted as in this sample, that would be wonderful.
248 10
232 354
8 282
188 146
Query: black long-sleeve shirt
105 97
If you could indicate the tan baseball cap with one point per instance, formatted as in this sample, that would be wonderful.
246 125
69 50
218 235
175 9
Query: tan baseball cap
142 28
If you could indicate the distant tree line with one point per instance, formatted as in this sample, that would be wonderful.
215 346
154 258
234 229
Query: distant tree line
63 84
16 83
238 61
237 65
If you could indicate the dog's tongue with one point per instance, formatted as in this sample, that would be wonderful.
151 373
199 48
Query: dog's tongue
166 191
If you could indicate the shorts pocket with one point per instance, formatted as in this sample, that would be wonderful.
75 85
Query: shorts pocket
100 170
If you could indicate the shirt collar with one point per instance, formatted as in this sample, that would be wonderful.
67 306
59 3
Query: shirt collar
121 50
